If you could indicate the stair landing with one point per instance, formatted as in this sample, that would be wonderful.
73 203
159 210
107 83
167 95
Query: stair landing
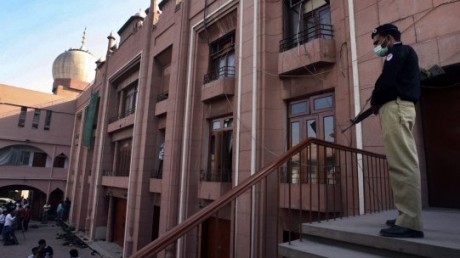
441 229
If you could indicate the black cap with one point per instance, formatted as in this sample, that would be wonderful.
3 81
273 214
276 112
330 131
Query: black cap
386 29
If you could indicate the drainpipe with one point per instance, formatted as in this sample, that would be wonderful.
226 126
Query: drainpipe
238 122
77 166
356 102
254 123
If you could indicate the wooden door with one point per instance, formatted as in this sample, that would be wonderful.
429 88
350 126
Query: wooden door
216 238
119 221
441 126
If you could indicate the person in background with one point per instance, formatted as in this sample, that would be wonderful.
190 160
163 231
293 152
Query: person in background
9 237
46 210
2 221
44 250
74 253
34 253
59 212
19 217
26 216
394 96
160 161
65 214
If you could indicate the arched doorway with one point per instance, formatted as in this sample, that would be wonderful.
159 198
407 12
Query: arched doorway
35 197
56 196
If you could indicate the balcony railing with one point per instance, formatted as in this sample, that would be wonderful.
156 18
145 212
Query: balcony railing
217 176
318 31
162 96
122 173
224 71
124 114
313 181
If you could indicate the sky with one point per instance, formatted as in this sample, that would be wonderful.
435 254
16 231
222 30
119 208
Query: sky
34 32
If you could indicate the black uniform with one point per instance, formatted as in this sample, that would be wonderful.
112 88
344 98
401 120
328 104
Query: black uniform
400 77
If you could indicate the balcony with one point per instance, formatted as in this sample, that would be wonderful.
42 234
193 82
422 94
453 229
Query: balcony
161 107
115 179
122 120
214 184
155 185
218 83
311 48
213 190
33 173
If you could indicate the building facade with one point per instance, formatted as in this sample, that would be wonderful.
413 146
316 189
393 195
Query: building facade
196 100
36 131
197 96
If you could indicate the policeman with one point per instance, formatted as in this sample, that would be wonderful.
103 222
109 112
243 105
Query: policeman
395 93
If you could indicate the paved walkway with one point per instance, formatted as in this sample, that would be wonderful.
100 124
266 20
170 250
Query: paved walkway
53 236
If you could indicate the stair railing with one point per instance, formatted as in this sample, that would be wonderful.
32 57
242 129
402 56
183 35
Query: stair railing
317 180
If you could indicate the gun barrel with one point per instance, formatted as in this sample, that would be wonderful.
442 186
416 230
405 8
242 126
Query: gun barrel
362 116
359 118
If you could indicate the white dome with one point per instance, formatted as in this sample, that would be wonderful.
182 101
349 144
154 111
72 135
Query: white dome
76 64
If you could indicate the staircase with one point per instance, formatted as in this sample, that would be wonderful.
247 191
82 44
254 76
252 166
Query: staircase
358 237
314 180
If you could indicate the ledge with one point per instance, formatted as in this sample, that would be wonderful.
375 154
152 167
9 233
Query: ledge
224 86
318 52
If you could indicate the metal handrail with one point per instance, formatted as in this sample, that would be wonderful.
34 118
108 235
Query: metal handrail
178 231
309 34
124 114
224 71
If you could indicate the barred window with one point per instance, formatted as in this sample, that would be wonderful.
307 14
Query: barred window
36 118
47 120
22 117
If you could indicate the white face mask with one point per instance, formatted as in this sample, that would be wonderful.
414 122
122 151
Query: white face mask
381 51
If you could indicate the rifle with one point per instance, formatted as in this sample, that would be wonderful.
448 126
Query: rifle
360 117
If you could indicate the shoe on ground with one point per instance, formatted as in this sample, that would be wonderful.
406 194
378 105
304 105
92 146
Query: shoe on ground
390 222
398 231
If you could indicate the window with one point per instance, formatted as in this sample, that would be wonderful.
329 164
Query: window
165 76
317 19
305 21
123 158
22 155
312 118
220 152
22 117
162 63
39 159
47 120
36 118
59 161
24 158
129 100
221 58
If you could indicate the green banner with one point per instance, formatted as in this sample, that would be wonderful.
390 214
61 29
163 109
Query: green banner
90 115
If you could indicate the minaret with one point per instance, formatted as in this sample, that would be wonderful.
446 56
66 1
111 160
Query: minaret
112 43
155 12
83 40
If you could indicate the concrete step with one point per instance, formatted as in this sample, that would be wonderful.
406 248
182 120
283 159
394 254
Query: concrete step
359 237
317 247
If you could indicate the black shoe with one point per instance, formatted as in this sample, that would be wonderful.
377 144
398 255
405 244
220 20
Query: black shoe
397 231
390 222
